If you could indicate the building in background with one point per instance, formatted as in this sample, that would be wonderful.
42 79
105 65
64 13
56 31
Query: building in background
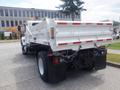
10 17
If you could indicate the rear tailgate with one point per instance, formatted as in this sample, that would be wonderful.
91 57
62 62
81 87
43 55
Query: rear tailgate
71 35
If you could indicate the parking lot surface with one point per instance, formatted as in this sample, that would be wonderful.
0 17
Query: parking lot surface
19 72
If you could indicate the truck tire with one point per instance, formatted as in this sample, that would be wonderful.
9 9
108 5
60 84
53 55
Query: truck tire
48 72
89 64
89 67
24 50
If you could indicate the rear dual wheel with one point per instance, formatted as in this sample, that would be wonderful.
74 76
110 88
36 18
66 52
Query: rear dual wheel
49 72
42 65
89 67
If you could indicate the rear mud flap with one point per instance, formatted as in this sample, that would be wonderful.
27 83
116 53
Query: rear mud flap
100 60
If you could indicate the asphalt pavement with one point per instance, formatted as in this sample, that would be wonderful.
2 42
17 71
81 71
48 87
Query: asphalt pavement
19 72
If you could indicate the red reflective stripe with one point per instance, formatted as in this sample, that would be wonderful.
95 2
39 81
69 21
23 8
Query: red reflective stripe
108 23
108 39
76 23
89 41
99 23
76 42
62 23
100 40
62 44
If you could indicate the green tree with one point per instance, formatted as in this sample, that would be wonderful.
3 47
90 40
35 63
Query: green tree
72 7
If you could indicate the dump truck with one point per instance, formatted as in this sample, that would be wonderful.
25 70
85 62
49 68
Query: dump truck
60 45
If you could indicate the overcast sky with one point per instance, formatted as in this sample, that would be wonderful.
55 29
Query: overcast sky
96 9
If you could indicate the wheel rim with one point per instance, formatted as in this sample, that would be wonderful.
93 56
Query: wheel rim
40 62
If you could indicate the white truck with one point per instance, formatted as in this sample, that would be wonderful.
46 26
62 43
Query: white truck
60 45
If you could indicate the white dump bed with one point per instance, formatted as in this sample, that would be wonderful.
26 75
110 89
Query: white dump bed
71 34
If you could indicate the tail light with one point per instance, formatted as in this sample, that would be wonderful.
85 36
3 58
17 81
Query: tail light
55 60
